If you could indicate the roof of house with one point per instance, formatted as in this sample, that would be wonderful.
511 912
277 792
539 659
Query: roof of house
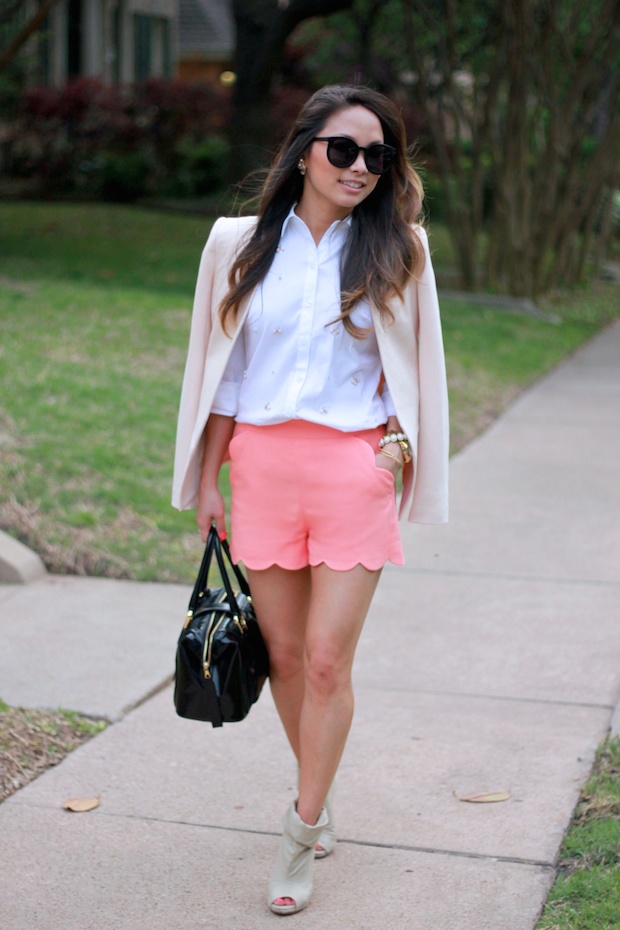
206 27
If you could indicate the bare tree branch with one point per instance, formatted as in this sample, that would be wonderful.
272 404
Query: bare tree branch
8 10
25 32
536 125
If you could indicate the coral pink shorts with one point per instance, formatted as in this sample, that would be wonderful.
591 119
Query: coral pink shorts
303 493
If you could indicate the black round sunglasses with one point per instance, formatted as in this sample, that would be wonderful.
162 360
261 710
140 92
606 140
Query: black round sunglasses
342 152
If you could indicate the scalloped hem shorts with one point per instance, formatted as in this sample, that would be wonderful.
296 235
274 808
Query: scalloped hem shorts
303 494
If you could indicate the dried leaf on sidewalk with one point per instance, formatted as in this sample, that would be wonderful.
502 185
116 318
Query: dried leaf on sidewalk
80 805
485 797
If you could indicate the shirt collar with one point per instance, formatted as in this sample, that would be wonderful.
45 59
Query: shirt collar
292 217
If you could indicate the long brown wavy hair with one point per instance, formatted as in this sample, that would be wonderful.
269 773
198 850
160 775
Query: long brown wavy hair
382 251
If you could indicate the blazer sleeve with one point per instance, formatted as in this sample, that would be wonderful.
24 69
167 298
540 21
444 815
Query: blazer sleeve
430 497
200 333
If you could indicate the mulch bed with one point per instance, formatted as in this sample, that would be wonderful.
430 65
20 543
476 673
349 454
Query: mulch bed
32 741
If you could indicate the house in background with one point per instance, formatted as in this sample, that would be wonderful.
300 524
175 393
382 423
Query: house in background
118 41
206 40
122 41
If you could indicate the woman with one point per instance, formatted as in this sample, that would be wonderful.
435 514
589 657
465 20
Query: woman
316 363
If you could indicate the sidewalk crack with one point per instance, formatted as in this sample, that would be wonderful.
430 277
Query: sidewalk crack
365 844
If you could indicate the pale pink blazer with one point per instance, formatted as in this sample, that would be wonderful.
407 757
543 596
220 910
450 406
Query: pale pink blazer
412 356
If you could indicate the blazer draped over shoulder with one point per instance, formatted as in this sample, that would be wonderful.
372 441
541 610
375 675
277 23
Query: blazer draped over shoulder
412 357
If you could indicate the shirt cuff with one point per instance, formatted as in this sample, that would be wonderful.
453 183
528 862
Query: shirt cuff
226 400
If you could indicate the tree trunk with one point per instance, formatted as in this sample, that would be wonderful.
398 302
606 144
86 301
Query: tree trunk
508 259
262 29
365 22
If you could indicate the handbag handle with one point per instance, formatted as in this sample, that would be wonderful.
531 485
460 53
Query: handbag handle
217 546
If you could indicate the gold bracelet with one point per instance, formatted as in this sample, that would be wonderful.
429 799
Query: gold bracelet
404 444
399 437
390 456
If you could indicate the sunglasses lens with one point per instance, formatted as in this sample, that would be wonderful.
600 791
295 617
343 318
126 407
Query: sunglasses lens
342 152
379 158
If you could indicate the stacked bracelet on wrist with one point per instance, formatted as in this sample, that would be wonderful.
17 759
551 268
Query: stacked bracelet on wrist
390 456
402 441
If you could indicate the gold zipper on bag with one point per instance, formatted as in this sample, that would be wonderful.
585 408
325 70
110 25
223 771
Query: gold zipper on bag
206 658
240 623
212 630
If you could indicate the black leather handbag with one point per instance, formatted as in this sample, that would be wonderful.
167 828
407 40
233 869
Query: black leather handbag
221 660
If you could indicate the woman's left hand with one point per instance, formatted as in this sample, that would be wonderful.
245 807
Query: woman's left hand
386 461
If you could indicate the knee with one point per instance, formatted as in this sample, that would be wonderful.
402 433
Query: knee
286 660
326 671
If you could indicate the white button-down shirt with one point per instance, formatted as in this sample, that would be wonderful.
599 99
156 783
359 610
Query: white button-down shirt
291 360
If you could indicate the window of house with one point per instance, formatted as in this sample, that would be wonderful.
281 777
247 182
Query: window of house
116 44
74 38
142 46
44 64
167 48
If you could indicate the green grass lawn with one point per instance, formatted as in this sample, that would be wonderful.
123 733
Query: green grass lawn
95 306
586 894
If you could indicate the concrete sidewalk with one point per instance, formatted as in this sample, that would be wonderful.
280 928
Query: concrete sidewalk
490 662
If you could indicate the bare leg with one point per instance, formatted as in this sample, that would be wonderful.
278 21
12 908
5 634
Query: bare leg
338 606
311 620
282 599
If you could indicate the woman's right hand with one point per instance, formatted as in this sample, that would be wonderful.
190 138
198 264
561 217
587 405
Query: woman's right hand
210 510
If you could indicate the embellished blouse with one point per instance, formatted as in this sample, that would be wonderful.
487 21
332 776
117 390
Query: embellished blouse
293 358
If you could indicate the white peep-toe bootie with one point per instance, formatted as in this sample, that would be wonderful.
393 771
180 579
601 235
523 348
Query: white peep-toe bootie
326 842
291 876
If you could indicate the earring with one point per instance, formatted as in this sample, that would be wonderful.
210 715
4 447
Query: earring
302 166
